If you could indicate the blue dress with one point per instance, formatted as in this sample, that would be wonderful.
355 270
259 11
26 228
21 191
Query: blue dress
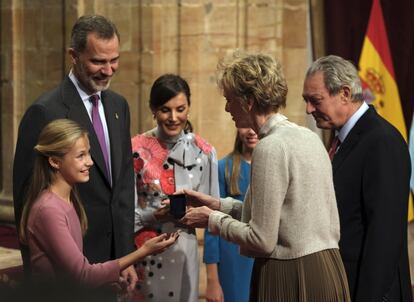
234 270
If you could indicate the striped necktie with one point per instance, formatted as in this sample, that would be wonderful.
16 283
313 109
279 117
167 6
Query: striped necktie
334 146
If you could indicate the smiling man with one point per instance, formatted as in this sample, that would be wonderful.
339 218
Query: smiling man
371 171
83 96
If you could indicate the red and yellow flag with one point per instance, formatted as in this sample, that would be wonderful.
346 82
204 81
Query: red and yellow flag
378 77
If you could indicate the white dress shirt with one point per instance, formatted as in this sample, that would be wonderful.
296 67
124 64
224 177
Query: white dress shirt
88 105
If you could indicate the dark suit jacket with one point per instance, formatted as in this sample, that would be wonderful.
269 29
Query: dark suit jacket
110 210
371 176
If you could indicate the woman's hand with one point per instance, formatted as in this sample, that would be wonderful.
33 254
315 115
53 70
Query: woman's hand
214 292
197 199
197 217
152 246
163 213
160 243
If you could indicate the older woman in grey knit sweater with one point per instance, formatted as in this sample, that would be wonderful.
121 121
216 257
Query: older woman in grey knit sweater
289 221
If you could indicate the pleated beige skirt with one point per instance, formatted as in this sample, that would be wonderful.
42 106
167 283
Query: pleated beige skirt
318 277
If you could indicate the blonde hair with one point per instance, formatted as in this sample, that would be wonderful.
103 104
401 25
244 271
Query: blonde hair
254 76
56 139
232 178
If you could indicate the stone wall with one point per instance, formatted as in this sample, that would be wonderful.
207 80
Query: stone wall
157 36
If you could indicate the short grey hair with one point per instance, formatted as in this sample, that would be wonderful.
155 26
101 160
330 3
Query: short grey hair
337 73
100 25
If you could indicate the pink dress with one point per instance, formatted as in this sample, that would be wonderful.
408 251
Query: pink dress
55 242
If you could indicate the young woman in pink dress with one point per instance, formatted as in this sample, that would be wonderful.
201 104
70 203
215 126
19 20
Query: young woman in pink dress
54 220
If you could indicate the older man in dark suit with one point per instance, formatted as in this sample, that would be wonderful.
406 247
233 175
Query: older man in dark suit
83 96
371 170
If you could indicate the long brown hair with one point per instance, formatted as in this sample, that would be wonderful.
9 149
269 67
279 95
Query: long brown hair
56 139
232 179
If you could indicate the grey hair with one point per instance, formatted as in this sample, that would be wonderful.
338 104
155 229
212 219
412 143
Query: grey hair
337 73
100 25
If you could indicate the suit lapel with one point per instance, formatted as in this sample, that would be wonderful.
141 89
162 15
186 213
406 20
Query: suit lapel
77 112
344 150
351 140
112 121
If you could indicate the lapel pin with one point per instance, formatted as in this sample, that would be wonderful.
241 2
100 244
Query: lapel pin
116 115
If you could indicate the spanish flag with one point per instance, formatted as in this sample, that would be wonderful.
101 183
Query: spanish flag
378 77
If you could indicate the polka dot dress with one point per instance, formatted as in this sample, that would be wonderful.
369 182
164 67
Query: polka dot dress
161 168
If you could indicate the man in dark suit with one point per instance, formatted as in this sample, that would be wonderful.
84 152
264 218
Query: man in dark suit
109 195
371 171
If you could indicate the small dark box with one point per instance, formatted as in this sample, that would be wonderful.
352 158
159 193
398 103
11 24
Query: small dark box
178 205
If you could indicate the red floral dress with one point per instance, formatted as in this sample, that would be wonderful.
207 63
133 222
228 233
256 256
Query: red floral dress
161 168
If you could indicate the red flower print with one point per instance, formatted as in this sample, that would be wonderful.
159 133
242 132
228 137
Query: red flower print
152 152
138 296
202 144
151 174
138 164
143 235
167 181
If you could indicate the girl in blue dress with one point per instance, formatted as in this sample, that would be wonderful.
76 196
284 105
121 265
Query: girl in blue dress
228 273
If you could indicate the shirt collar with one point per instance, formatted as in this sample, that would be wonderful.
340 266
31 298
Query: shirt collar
83 95
343 133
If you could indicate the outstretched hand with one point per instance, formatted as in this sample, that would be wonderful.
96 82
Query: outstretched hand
160 243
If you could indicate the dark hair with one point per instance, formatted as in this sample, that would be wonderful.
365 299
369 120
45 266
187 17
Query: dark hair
85 25
167 87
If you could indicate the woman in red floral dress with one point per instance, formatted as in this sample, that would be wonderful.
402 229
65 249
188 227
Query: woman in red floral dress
169 158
